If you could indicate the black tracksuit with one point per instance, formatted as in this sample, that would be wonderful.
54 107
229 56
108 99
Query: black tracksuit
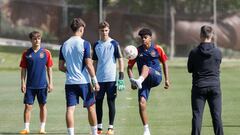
204 64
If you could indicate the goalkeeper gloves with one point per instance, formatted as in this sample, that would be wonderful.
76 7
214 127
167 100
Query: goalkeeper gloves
120 83
94 81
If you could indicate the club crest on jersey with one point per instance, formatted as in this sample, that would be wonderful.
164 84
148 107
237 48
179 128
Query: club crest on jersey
41 55
157 73
29 56
153 53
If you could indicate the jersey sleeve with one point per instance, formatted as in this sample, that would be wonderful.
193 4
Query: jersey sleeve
23 62
87 50
61 54
163 56
94 57
117 49
49 58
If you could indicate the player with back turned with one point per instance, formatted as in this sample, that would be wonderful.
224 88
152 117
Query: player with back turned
204 64
75 61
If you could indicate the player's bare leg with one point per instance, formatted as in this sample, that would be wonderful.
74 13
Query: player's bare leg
92 118
143 110
43 117
143 115
43 113
145 71
70 119
27 113
27 117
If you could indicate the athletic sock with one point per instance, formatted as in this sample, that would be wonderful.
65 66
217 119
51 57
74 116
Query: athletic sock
141 79
94 130
26 126
110 127
138 82
42 125
100 125
70 131
146 128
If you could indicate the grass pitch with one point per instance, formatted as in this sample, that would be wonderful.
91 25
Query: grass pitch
169 111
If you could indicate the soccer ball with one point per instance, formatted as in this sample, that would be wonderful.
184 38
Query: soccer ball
130 52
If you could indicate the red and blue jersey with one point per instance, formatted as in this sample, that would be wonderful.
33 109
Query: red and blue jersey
36 63
150 57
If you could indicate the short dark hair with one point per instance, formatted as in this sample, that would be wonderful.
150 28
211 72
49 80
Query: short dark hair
206 31
144 32
77 23
103 24
34 34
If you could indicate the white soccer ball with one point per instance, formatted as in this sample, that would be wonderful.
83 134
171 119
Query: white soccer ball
130 52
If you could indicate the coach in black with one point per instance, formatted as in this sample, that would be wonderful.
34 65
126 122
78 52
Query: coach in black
204 64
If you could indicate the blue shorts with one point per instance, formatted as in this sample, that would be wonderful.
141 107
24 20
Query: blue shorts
30 95
154 79
109 88
74 91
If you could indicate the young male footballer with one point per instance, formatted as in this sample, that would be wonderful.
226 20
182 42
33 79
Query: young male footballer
149 59
106 53
75 61
36 62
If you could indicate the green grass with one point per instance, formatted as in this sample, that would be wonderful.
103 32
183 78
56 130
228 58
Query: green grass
169 110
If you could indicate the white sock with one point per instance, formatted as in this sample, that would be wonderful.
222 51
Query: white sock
138 82
70 131
26 126
110 126
94 130
42 125
100 126
141 79
146 128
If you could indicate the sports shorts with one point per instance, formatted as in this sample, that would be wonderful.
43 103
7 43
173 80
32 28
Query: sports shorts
30 95
154 79
74 91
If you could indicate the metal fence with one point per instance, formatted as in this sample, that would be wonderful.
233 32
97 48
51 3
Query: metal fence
175 23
